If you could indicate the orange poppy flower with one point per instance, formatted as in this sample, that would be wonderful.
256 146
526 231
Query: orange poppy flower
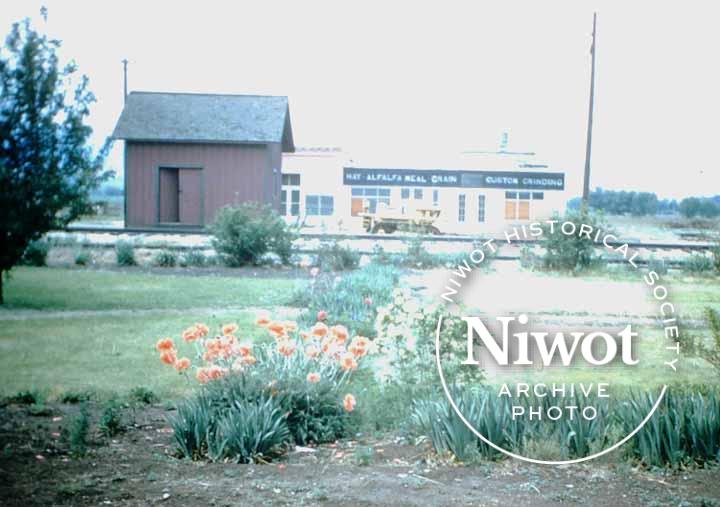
168 357
182 364
340 332
349 402
249 360
276 328
290 325
322 315
164 344
202 330
312 351
229 329
202 375
320 329
348 362
190 334
313 377
286 348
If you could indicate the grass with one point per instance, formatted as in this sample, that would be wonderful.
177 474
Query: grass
56 353
106 355
72 289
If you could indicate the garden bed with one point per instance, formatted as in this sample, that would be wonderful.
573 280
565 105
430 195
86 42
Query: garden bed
138 467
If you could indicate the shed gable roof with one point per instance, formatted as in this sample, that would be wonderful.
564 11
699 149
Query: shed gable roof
205 118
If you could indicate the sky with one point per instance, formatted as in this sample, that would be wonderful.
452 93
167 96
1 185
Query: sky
407 80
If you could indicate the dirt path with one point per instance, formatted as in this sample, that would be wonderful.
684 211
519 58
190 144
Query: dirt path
137 468
25 314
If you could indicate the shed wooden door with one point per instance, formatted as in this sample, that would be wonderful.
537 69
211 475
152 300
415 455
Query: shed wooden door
168 196
190 192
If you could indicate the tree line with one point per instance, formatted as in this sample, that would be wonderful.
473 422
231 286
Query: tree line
623 202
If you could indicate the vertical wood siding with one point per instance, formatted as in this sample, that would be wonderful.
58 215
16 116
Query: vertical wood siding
231 174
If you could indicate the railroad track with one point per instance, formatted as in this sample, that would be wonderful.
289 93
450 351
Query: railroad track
447 238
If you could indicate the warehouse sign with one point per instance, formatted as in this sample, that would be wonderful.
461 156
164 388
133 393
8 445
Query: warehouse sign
404 177
443 178
515 180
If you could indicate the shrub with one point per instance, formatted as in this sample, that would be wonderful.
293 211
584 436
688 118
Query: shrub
24 398
125 253
243 234
76 396
82 258
716 258
36 253
335 257
698 264
165 259
111 419
79 432
570 252
145 395
659 266
193 258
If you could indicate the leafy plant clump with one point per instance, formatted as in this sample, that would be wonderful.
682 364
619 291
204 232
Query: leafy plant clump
334 256
699 264
244 432
83 258
36 253
125 253
193 258
292 391
79 432
165 259
242 235
351 298
571 252
684 430
111 419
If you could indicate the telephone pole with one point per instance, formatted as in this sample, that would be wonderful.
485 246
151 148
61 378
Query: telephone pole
124 62
588 147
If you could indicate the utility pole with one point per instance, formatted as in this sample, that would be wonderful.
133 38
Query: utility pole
124 62
586 182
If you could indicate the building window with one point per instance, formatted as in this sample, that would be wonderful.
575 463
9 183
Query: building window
481 208
318 205
295 203
418 194
293 207
517 206
538 196
291 179
404 193
373 196
461 207
436 198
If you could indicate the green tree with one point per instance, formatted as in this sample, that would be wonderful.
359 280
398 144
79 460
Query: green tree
47 168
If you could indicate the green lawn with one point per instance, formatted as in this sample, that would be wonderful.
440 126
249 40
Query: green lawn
77 289
102 354
112 353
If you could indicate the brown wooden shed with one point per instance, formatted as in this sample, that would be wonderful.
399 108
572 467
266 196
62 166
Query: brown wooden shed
187 155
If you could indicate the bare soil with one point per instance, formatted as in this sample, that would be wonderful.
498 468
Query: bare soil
138 467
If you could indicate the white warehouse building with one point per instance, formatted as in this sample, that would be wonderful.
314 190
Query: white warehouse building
477 192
